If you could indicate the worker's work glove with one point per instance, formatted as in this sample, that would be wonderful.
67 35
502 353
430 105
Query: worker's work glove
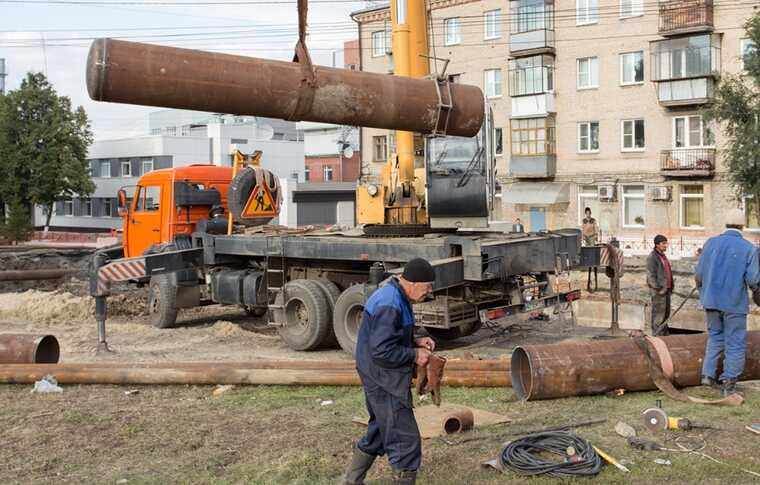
425 342
422 356
429 378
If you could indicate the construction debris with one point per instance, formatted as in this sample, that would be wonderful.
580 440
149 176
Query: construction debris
46 385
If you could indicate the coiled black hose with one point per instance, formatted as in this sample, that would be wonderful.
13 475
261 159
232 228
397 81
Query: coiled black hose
526 455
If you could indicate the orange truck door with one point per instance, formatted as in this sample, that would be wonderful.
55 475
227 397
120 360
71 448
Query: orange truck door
145 220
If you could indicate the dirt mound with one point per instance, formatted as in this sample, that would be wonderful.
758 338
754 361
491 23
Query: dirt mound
62 307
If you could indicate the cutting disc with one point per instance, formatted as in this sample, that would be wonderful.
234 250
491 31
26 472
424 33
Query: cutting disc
655 419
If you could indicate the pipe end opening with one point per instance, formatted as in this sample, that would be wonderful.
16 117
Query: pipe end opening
48 351
522 376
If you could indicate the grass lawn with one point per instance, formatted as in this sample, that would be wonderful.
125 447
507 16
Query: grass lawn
277 435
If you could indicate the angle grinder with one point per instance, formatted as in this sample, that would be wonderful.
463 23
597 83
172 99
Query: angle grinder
655 419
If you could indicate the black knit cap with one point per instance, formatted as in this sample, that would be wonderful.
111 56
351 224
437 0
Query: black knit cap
659 239
418 270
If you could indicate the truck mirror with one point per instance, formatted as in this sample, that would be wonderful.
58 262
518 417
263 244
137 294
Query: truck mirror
122 199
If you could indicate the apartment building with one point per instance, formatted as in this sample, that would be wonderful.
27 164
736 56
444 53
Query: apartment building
596 104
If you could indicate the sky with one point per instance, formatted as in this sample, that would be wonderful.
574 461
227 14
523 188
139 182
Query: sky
54 38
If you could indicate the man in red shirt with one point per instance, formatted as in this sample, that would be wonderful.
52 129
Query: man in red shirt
660 282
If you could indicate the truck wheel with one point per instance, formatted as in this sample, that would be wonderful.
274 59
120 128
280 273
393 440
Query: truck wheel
162 300
347 317
332 292
454 333
304 316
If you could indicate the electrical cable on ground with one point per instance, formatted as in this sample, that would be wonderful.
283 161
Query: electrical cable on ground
526 455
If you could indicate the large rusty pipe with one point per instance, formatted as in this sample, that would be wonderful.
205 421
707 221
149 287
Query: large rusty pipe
215 373
34 274
144 74
585 368
16 348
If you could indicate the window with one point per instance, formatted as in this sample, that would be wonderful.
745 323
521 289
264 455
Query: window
633 135
68 208
126 169
588 136
149 199
588 196
171 130
327 173
451 33
492 21
586 12
306 173
631 8
498 141
147 166
531 75
492 82
155 131
105 169
87 207
239 141
379 148
455 78
632 68
532 136
633 206
588 73
746 49
691 132
750 212
107 208
378 43
692 207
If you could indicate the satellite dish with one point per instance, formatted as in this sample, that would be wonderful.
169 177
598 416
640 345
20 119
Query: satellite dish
263 132
348 152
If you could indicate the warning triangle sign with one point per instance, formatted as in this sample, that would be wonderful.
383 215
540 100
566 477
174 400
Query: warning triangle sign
260 203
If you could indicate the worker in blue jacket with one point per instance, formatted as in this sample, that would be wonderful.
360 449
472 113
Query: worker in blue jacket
386 352
727 267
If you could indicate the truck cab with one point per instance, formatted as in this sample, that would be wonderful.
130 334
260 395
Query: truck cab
171 202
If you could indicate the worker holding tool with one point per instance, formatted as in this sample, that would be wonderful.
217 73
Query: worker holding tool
727 267
660 282
386 352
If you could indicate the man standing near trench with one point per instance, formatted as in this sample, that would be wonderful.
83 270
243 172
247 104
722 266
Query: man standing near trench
727 267
386 352
660 283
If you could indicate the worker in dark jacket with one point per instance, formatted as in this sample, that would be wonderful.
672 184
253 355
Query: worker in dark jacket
386 352
660 283
727 268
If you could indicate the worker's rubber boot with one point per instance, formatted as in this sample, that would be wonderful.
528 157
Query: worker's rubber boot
729 387
711 382
404 477
357 470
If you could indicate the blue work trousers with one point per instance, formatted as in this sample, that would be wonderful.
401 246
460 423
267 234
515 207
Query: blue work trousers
727 335
392 428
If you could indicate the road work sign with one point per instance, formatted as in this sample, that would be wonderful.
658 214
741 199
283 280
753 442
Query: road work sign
260 203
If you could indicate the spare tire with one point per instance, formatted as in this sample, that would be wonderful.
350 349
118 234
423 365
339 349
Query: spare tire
241 188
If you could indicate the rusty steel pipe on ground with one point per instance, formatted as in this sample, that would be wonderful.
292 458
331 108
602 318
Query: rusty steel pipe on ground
595 367
215 373
34 274
144 74
17 348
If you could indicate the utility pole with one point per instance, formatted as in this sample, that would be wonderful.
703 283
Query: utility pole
3 75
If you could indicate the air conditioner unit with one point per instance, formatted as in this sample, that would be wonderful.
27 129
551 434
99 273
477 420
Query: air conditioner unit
660 193
606 192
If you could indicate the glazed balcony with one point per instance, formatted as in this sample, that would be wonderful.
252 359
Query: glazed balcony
685 69
531 27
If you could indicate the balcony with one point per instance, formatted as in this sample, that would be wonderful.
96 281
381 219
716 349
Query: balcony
533 166
531 86
688 162
532 27
685 68
685 16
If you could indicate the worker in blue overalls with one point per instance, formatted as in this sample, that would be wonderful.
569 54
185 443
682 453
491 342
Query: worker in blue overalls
386 352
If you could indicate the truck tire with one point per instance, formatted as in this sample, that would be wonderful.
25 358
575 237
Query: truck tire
454 333
240 190
347 317
162 300
332 292
304 316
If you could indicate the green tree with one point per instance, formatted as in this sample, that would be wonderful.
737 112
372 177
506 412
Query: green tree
43 146
737 107
17 227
